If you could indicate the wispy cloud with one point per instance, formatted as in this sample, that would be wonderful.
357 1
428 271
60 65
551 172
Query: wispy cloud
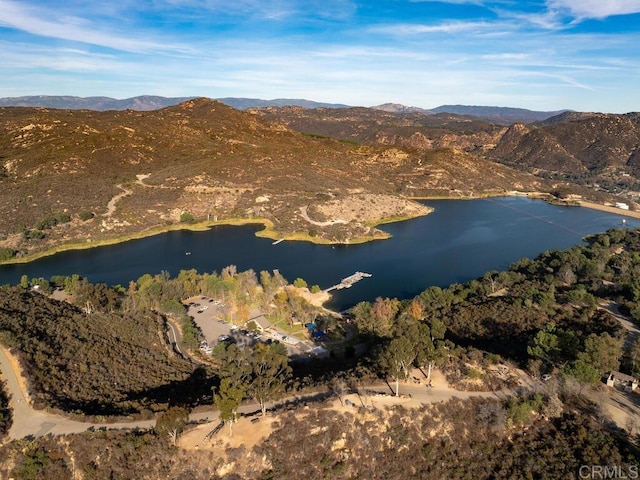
421 29
267 9
583 9
47 23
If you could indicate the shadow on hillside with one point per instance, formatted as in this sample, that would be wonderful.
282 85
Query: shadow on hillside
193 391
190 392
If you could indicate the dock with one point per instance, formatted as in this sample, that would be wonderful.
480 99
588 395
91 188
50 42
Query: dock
278 241
348 282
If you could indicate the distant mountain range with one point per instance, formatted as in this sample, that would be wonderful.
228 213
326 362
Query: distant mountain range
497 115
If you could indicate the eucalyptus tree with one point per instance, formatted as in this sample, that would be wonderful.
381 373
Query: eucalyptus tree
397 359
270 371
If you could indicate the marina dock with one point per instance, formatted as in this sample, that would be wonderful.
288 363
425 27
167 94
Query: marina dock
347 282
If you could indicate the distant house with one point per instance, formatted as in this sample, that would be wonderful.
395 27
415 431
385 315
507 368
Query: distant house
627 382
622 205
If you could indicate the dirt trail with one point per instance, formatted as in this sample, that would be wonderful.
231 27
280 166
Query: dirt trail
111 206
305 215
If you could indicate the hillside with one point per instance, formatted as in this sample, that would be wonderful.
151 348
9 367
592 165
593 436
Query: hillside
389 127
584 147
591 149
132 171
498 115
97 364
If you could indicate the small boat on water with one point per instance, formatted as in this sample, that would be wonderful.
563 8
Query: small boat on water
187 253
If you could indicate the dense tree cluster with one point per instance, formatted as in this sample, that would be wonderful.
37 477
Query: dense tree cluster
94 363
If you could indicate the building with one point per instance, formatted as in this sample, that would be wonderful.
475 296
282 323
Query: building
622 205
259 320
627 382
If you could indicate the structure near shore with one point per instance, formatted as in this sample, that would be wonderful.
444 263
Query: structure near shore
347 282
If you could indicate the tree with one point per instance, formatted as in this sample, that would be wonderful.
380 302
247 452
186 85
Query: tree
270 371
553 344
397 358
228 399
584 372
415 309
602 352
186 217
172 423
299 283
233 363
339 387
633 354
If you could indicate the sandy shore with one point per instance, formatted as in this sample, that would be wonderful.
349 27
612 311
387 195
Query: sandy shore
609 209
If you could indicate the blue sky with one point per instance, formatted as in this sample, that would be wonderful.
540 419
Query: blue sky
542 55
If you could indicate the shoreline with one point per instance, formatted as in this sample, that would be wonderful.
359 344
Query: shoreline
197 227
267 232
609 209
270 233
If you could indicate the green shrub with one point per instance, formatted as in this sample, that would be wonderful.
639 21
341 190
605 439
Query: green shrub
51 221
6 253
299 283
84 216
186 217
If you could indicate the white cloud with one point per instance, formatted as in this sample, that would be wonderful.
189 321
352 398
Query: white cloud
46 23
583 9
506 56
420 29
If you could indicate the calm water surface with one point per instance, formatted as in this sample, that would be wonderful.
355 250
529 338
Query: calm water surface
460 241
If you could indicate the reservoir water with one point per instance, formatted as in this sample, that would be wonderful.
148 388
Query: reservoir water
459 241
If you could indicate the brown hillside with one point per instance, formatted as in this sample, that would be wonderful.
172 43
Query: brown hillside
591 147
373 126
139 170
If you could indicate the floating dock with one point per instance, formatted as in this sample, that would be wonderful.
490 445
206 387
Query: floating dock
278 241
348 282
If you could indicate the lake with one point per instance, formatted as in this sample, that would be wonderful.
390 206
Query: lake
459 241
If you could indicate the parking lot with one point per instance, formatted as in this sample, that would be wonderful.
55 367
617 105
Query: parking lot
207 314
